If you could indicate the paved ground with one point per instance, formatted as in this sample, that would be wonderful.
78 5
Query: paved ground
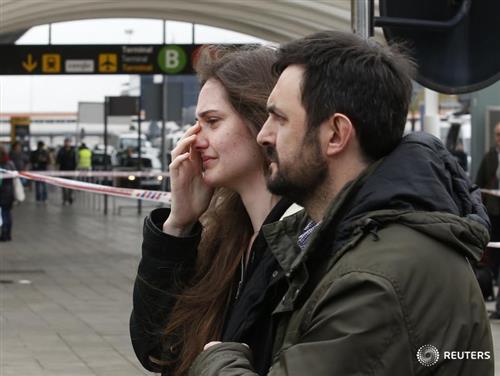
66 311
72 319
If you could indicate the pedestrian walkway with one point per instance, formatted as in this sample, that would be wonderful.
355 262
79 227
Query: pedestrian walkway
66 291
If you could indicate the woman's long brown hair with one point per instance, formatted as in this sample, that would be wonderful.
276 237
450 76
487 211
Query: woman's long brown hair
198 315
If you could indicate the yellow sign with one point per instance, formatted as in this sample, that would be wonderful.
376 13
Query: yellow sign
29 64
108 63
20 120
19 127
51 63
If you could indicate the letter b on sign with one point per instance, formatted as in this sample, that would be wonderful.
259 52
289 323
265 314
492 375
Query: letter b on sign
172 59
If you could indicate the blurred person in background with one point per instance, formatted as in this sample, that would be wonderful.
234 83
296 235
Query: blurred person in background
51 166
460 155
6 196
18 156
455 145
20 159
40 160
488 177
84 158
66 161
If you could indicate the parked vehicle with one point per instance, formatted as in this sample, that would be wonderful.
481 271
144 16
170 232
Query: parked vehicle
99 157
149 163
130 140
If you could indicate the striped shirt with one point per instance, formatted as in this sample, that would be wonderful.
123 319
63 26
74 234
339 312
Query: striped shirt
303 239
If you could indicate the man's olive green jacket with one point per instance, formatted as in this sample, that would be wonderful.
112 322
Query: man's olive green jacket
387 273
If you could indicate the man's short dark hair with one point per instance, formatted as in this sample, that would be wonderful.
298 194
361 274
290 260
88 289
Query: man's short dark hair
369 83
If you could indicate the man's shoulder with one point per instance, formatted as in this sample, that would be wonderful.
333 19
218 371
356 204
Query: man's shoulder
413 267
399 253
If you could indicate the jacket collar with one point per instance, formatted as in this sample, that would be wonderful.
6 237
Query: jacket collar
282 236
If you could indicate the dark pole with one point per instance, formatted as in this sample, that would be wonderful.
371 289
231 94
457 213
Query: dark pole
164 161
163 38
139 148
362 18
106 165
163 117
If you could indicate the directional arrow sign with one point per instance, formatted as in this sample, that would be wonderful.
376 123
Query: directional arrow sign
29 64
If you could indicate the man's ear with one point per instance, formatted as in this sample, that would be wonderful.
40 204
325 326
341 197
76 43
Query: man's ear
340 132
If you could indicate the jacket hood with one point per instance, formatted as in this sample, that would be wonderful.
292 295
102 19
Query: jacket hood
421 185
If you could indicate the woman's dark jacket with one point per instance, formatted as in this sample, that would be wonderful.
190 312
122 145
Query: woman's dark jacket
167 261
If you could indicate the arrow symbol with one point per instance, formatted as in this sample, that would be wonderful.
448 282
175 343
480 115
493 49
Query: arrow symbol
29 64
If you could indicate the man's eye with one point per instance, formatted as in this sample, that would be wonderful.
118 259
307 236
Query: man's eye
278 118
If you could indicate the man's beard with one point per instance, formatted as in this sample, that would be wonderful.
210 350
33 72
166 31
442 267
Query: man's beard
300 179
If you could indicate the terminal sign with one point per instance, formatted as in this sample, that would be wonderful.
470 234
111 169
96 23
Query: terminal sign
97 59
172 59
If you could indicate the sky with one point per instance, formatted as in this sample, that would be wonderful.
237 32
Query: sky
62 93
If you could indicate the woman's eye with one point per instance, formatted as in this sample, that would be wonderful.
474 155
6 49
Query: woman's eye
212 121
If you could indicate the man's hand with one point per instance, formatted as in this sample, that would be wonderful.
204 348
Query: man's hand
223 359
210 344
213 343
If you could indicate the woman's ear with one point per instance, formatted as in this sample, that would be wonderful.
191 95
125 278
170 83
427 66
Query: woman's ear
340 131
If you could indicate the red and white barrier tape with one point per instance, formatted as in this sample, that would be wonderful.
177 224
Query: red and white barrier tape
91 174
494 192
138 194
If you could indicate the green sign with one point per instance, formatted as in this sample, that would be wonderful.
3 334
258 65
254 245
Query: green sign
172 59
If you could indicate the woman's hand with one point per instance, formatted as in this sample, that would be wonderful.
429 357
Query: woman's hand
190 195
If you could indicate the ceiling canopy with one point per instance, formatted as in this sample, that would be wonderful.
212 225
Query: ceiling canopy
273 20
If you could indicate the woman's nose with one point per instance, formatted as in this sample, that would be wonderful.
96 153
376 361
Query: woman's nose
201 141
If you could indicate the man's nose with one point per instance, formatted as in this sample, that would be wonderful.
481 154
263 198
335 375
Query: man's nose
265 136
